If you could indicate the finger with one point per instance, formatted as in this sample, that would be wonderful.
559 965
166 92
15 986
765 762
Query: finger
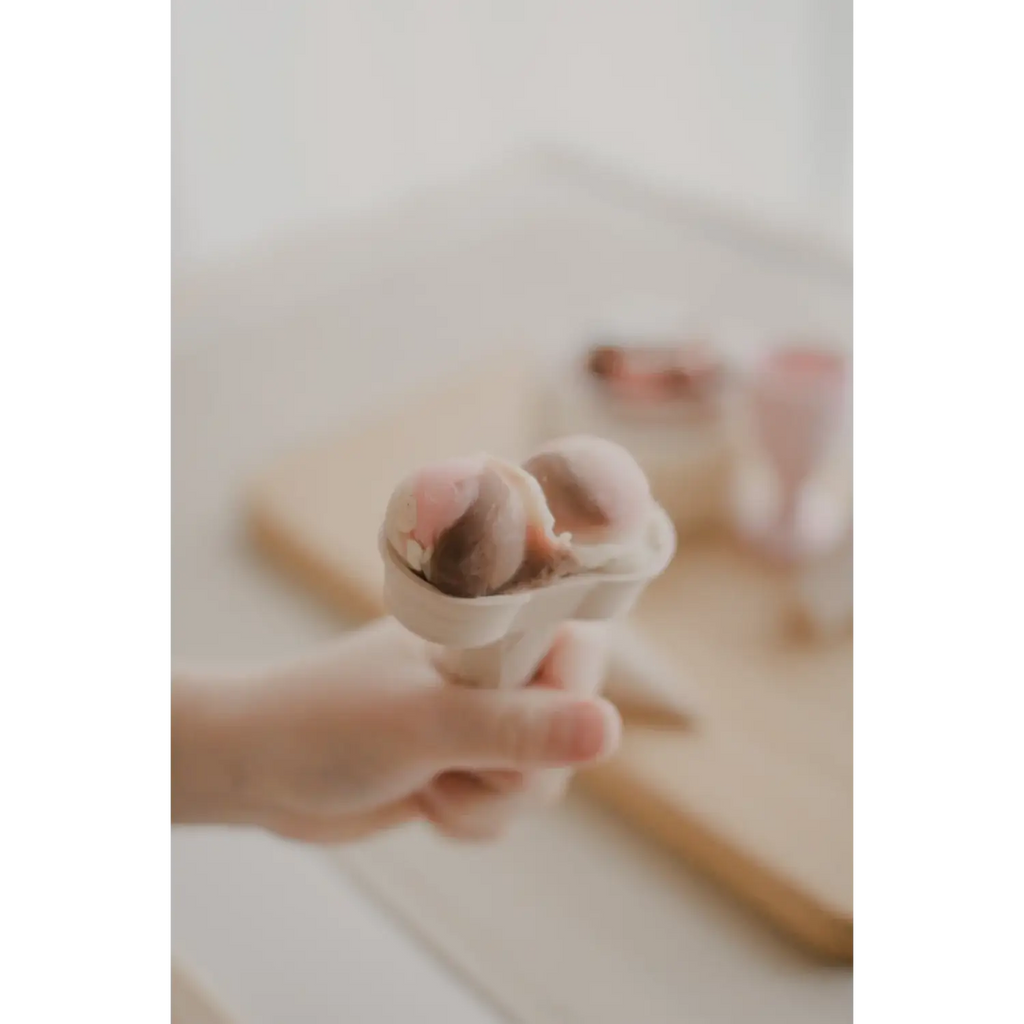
500 781
465 790
531 728
327 829
495 782
517 790
578 659
461 807
577 663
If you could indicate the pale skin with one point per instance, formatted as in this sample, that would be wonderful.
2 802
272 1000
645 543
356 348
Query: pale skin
367 735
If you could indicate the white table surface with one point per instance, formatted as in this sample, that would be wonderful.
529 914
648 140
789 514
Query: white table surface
278 935
262 361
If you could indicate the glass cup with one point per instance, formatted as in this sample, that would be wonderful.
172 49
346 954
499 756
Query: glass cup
794 408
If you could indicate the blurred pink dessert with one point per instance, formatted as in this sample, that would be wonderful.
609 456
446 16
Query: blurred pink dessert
479 526
686 375
796 403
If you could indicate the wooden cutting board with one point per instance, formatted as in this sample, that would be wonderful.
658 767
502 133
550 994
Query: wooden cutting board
757 790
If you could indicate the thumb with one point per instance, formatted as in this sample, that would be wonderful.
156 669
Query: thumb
522 729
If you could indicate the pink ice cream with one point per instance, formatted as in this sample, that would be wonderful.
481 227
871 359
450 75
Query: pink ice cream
480 526
595 489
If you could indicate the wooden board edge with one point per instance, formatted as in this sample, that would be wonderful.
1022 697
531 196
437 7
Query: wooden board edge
281 547
822 931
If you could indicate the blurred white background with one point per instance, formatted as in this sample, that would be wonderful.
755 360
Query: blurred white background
294 114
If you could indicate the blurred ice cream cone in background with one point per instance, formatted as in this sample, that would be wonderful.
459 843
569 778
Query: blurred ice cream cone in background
792 417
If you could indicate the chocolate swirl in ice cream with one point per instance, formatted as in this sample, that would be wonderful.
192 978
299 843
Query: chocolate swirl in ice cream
482 550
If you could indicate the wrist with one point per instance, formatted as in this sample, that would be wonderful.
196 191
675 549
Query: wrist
211 738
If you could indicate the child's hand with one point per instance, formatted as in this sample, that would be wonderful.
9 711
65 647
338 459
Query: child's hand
367 734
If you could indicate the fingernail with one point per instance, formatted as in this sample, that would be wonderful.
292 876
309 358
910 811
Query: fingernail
584 731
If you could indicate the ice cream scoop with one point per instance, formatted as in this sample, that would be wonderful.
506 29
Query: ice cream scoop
597 494
474 527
